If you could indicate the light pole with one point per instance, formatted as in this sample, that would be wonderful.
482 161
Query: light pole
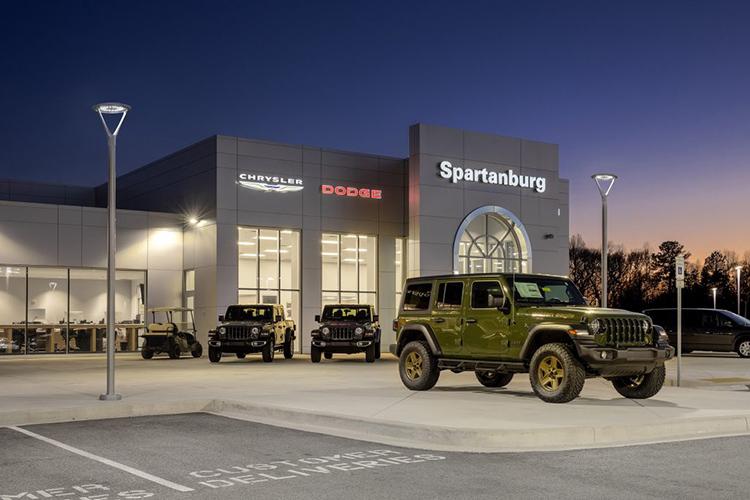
713 292
111 108
604 183
739 270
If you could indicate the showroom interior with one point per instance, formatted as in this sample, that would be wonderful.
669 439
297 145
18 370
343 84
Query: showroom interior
231 220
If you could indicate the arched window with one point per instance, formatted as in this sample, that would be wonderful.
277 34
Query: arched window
491 240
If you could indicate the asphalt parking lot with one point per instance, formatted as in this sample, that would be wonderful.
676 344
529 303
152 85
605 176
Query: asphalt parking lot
209 456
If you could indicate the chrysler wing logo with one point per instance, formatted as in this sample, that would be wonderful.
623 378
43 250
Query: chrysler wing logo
270 183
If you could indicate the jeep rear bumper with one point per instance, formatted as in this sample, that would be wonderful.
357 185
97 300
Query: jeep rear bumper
613 362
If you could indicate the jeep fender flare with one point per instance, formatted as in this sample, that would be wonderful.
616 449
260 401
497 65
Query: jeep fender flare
537 331
424 332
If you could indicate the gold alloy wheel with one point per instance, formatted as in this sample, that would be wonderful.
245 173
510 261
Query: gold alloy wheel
550 373
413 365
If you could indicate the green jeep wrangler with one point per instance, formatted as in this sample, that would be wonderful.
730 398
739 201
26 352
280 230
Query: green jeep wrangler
501 324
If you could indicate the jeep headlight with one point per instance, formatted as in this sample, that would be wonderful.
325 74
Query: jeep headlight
325 331
254 330
663 337
358 331
222 330
594 326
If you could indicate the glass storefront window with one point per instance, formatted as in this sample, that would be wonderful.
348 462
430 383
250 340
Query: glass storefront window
400 268
61 310
349 267
269 269
12 310
492 243
47 309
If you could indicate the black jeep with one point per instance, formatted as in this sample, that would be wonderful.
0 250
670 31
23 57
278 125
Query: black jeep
346 329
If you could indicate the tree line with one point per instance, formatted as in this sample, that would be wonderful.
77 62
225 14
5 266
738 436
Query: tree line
641 279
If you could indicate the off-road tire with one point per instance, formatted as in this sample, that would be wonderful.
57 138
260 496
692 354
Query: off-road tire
328 355
494 379
147 353
240 355
214 354
640 387
370 355
197 351
269 351
743 348
567 378
418 372
315 354
289 346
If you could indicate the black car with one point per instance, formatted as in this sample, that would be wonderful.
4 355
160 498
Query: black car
346 329
706 329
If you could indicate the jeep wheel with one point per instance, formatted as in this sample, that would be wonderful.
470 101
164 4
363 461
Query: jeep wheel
269 350
328 355
556 375
743 348
197 351
147 353
370 353
641 386
214 354
289 347
494 379
418 367
315 354
240 355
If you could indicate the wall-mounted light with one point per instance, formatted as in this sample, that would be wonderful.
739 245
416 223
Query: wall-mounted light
549 236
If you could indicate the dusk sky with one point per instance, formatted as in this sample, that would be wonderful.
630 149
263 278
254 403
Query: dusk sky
655 92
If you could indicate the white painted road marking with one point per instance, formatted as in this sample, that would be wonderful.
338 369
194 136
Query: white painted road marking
106 461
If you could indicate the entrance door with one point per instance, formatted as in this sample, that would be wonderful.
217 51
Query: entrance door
446 319
486 332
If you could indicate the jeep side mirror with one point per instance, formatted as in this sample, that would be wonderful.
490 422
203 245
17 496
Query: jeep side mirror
317 318
376 318
221 318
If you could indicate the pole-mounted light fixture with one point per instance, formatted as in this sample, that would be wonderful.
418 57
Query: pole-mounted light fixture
604 183
111 108
739 271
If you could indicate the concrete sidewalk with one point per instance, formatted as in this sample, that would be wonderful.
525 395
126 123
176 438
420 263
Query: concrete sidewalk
349 398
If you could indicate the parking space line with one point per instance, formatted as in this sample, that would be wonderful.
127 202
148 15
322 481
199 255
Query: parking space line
105 461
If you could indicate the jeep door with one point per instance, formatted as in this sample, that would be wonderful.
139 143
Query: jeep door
445 319
486 329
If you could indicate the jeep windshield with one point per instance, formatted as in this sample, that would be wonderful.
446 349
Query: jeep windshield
540 290
249 313
346 313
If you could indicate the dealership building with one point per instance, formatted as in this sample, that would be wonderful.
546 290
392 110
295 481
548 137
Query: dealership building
232 220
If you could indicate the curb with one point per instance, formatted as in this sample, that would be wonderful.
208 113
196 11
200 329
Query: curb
485 440
436 438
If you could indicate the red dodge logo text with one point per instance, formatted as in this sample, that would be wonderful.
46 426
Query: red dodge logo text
352 192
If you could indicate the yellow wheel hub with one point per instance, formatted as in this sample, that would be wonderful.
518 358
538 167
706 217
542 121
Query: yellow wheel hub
550 373
413 365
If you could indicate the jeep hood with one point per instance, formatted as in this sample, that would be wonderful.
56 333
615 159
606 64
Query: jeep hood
571 314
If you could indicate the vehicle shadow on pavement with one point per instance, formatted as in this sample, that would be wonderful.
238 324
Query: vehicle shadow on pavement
579 400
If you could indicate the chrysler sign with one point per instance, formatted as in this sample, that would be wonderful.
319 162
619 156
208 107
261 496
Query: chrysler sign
484 176
270 183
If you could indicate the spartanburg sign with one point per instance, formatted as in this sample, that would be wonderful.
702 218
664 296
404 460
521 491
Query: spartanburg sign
484 176
270 183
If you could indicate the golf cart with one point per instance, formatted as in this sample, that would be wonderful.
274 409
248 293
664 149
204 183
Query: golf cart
171 335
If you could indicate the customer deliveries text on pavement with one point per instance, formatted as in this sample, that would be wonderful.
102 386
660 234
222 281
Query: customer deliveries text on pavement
484 176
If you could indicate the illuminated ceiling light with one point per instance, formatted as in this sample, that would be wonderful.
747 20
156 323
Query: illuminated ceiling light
329 254
286 231
330 242
246 243
268 238
248 255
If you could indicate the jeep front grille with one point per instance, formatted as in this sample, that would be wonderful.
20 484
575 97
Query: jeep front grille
623 332
237 332
342 333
